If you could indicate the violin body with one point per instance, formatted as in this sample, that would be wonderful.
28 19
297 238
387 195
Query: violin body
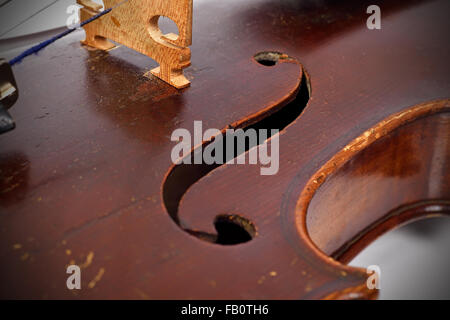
364 146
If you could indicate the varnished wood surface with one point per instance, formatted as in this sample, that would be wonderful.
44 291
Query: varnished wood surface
82 175
354 190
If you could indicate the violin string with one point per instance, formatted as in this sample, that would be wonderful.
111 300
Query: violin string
35 49
33 15
4 3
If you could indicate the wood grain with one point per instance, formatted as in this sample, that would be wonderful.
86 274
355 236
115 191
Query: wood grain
82 174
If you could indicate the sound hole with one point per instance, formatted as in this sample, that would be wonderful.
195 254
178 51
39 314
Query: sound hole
268 58
233 229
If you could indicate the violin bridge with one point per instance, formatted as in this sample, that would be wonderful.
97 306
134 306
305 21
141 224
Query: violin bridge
135 25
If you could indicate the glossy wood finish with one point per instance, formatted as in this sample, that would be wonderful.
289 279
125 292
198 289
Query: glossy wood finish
353 190
83 174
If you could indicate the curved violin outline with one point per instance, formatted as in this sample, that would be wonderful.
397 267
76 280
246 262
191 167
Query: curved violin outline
296 203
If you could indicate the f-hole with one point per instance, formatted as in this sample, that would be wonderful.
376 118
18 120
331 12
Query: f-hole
182 176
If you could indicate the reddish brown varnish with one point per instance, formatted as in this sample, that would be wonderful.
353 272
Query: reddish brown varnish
85 173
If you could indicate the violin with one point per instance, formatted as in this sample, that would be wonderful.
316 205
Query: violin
113 170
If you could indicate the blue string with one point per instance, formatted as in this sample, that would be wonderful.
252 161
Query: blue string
42 45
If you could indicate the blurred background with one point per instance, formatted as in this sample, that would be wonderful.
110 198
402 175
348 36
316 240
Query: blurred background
23 17
414 260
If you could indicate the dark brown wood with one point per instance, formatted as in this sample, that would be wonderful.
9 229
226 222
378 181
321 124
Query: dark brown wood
86 175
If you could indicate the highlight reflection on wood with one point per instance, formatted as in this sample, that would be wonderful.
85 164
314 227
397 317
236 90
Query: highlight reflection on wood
402 160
